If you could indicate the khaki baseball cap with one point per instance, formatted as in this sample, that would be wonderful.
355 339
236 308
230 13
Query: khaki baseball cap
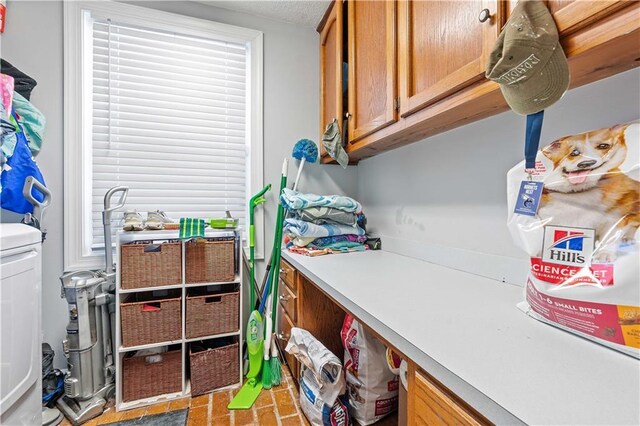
528 61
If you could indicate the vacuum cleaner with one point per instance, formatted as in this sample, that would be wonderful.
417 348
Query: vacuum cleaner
88 346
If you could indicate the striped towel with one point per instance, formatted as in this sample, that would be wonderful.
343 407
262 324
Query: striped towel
190 227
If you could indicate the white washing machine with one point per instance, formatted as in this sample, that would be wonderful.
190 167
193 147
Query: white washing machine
20 325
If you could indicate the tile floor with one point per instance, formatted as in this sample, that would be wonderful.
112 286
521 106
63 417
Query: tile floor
278 407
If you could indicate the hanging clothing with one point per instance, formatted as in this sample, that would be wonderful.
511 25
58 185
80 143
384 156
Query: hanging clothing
23 84
31 120
14 173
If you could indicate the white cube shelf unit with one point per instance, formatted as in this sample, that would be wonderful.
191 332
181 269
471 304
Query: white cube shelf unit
182 288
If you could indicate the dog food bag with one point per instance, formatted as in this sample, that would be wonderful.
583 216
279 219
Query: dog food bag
371 386
584 239
316 408
322 384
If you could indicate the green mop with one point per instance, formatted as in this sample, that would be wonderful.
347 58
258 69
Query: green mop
250 391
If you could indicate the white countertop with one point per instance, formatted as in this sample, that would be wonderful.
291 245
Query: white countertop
467 332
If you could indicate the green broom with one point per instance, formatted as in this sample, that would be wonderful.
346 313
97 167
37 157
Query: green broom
274 363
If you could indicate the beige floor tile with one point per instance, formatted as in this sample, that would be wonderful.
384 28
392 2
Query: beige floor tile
264 399
284 402
200 400
135 413
219 403
198 416
109 416
157 408
221 421
244 417
291 421
267 416
178 404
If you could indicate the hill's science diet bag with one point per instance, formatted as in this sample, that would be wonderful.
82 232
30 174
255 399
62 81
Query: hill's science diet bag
583 240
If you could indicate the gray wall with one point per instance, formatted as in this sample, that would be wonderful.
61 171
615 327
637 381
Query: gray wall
448 193
33 42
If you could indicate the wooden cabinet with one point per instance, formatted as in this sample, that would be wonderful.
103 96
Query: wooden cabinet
573 15
331 46
372 66
443 48
432 57
430 404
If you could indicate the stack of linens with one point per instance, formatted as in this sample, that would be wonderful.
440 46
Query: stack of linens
319 224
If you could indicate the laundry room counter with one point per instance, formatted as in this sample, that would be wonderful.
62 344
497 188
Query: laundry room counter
466 332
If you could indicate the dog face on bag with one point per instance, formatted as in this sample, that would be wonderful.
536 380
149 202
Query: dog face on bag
580 161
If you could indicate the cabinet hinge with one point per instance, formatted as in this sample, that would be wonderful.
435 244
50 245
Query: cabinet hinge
397 104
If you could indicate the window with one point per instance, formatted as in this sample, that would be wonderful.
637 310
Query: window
166 105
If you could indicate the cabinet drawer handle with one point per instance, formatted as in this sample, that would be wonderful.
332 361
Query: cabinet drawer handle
485 15
283 337
348 115
284 298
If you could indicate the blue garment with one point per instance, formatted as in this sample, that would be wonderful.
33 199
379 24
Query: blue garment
18 167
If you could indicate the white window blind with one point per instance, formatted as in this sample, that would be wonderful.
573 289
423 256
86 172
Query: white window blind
168 121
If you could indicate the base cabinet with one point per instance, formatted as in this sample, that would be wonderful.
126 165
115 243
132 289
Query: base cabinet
427 401
430 404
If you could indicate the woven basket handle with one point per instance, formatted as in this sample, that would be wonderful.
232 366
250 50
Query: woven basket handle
213 299
157 305
153 248
154 359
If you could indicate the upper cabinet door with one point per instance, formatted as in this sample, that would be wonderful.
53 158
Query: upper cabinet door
443 47
372 66
573 15
331 70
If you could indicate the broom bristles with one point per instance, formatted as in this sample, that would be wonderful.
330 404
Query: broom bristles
266 376
276 370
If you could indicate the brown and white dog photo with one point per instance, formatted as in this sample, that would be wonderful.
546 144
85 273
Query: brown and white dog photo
587 188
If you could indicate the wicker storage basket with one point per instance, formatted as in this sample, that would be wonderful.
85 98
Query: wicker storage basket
145 376
209 261
213 368
158 322
150 265
211 314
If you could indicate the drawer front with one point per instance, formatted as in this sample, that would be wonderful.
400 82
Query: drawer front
432 406
288 275
284 326
289 302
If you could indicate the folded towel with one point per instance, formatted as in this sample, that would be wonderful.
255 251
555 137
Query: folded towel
293 200
320 215
319 252
300 228
190 227
327 241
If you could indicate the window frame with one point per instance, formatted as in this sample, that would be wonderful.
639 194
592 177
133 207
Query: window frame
77 153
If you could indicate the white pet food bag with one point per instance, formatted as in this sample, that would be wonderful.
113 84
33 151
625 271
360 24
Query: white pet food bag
371 386
584 239
322 384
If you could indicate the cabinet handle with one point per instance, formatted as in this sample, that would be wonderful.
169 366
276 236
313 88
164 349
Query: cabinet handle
284 298
485 15
283 337
348 115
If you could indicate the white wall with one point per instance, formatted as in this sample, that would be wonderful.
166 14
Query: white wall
33 42
447 194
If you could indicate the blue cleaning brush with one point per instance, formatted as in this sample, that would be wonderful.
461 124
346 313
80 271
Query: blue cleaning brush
304 150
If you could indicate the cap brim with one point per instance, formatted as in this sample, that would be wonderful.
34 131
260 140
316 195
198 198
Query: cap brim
541 90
